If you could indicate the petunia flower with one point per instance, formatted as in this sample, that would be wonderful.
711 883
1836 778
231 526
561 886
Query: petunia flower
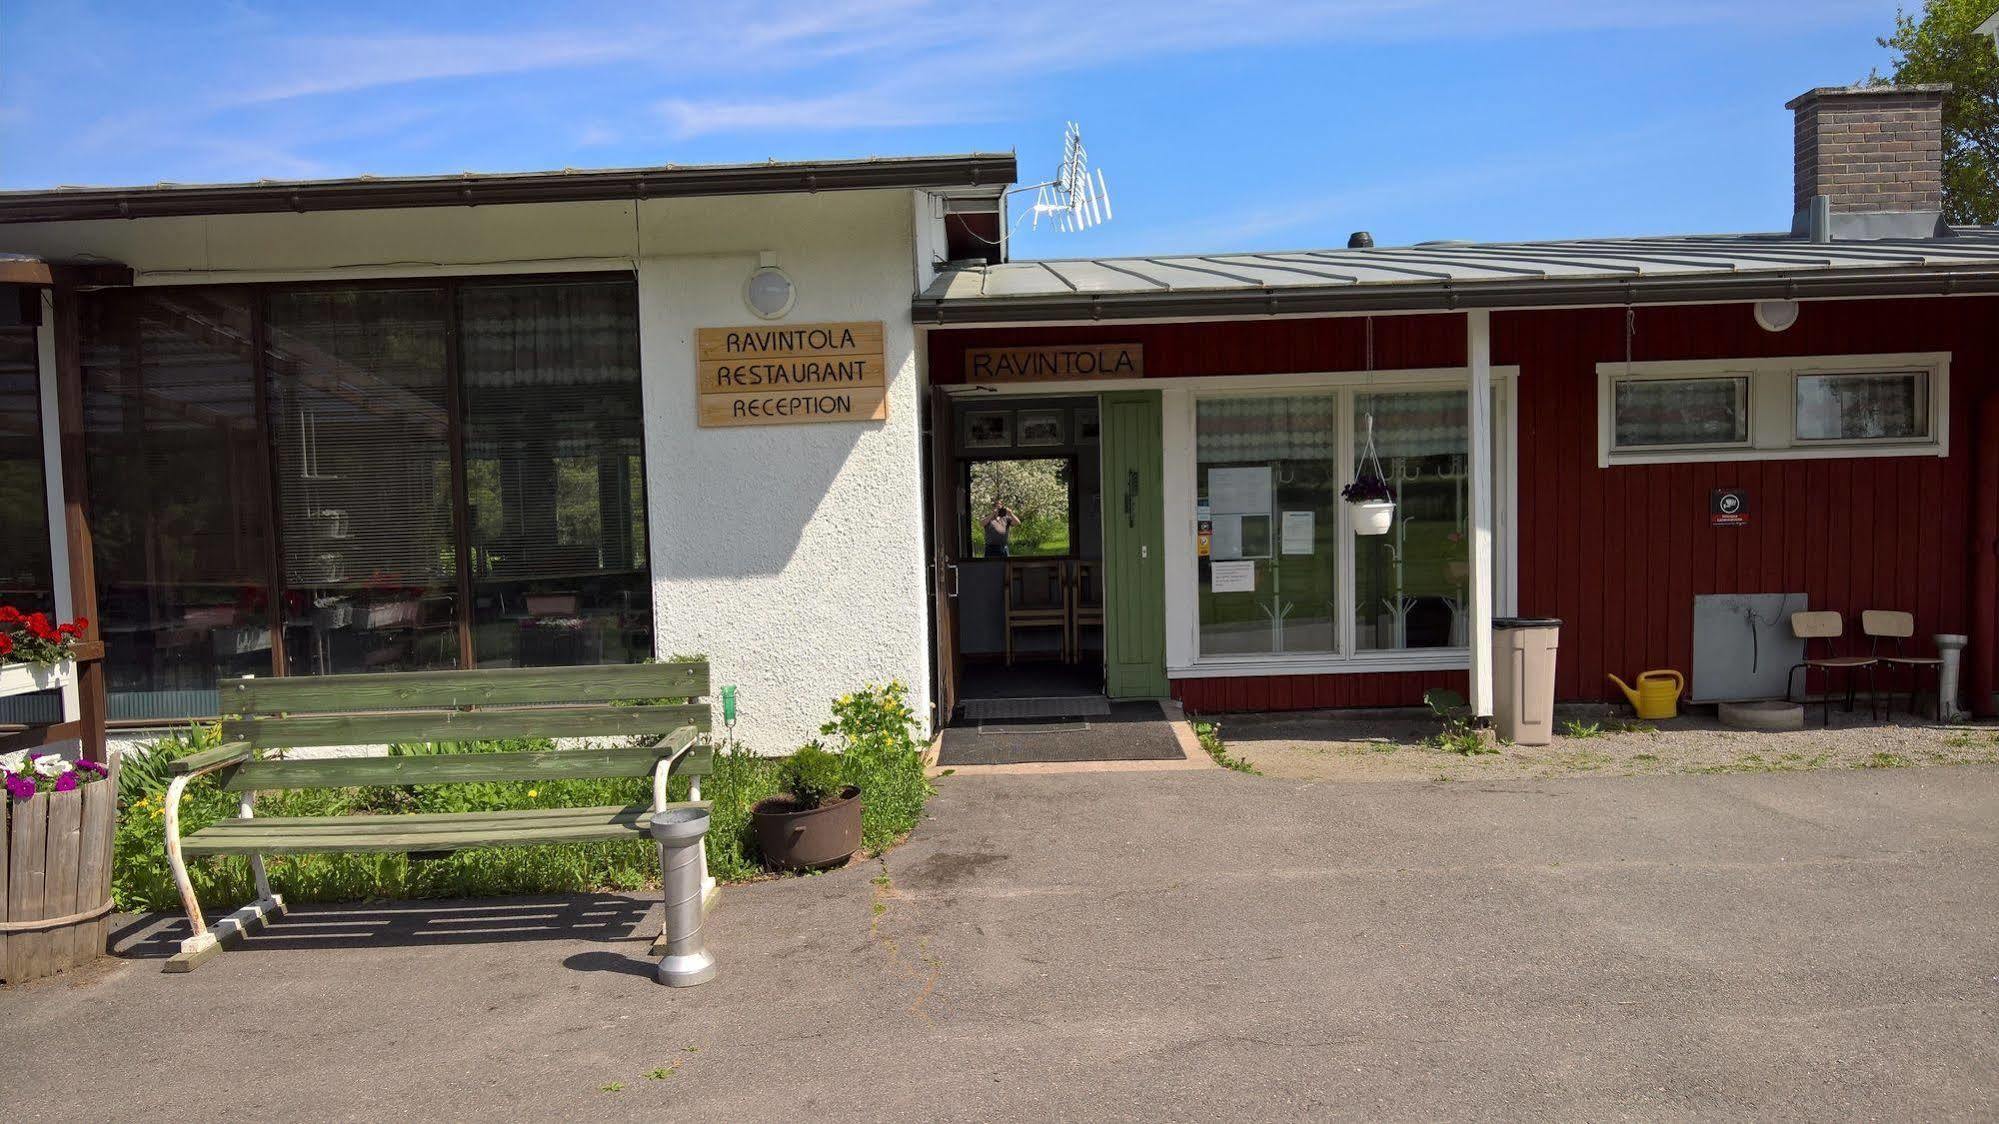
67 781
14 762
20 787
51 764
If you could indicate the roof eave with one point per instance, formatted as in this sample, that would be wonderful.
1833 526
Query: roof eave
1455 296
912 173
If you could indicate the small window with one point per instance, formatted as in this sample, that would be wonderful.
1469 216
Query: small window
1863 406
1675 413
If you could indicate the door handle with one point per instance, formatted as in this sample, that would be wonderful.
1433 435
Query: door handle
952 569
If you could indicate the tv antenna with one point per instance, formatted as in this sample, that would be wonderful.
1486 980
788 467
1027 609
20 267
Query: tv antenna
1077 198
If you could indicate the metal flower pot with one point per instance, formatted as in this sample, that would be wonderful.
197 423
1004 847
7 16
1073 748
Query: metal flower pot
794 838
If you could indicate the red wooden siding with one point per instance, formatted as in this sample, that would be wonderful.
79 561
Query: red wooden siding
1620 553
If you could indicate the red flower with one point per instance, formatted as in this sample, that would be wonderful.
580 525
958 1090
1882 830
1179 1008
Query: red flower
9 615
81 624
67 629
6 644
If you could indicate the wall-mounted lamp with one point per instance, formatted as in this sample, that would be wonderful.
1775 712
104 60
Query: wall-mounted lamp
769 291
1776 316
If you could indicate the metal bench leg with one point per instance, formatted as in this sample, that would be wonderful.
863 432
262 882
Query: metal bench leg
205 942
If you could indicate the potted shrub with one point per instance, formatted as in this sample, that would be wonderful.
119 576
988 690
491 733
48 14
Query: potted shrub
1373 504
816 821
60 819
35 652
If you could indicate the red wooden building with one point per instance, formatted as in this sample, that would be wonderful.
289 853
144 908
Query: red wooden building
1559 420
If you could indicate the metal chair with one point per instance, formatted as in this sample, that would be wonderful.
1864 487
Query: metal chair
1037 596
1827 627
1887 624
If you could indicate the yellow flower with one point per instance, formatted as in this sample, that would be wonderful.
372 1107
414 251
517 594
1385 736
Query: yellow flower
533 792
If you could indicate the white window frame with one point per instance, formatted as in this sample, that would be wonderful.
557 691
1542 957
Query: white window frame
1929 423
1608 409
1183 640
1773 412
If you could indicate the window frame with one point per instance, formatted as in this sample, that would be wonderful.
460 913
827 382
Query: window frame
1182 572
1746 402
1929 420
1773 387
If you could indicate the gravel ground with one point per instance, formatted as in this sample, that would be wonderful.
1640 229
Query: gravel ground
1329 745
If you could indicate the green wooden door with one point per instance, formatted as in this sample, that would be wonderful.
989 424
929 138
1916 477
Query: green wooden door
1134 546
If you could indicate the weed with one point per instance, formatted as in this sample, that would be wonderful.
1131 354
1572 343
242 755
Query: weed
612 1087
1966 739
1458 735
1209 734
1628 726
1576 728
1885 760
1647 758
661 1073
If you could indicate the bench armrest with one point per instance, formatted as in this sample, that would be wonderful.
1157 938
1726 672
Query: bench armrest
671 749
201 762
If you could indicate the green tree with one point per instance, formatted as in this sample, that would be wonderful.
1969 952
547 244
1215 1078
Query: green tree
1943 45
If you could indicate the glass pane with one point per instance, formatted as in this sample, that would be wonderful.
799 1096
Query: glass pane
1020 509
364 478
1681 412
178 492
555 470
1863 407
1411 585
24 509
1268 478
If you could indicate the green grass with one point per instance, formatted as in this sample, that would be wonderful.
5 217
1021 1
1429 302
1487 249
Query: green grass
1209 734
889 773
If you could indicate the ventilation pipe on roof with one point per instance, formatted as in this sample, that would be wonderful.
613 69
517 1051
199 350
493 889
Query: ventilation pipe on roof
1360 240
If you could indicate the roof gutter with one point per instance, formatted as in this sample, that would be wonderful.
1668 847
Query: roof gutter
472 190
1457 296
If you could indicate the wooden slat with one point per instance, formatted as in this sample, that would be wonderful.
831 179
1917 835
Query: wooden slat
427 821
388 833
8 811
522 686
228 751
59 896
28 859
464 726
443 768
93 865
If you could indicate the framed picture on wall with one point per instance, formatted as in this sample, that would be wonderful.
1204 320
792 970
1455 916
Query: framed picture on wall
1086 425
1040 428
988 429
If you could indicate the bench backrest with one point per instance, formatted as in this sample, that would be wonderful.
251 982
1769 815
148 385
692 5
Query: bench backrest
464 706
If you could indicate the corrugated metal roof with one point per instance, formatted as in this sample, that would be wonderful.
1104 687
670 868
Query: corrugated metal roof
1456 275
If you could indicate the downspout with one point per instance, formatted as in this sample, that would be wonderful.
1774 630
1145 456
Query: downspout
1985 562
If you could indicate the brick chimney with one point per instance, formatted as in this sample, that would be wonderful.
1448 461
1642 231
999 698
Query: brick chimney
1874 155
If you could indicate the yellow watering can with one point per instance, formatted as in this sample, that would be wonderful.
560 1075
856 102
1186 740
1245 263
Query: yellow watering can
1657 694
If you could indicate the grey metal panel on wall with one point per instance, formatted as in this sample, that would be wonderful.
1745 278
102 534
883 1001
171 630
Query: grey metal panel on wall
1743 646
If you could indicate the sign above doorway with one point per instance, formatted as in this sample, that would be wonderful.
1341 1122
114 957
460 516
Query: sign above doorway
1053 364
790 374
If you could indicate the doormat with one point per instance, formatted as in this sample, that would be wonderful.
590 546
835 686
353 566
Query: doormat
1057 706
1134 731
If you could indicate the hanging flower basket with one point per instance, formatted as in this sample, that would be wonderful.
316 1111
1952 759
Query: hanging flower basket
1372 500
1373 517
36 653
57 822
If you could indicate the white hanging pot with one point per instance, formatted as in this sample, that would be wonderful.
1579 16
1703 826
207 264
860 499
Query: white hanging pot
1374 517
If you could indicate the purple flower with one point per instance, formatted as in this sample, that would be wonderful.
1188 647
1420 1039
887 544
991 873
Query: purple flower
20 787
67 781
97 767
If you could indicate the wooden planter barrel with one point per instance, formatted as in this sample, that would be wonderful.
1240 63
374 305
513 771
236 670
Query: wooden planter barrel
55 878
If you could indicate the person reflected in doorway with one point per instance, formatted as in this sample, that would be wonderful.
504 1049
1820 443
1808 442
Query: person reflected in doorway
999 530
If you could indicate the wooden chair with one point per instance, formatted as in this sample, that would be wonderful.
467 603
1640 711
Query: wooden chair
1885 624
1826 628
1086 596
1037 596
267 716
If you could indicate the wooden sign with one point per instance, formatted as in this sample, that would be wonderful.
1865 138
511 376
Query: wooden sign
787 374
1050 364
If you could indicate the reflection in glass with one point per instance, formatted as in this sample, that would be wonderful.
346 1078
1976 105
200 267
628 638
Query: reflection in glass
1871 407
1411 585
358 417
178 493
1667 412
1020 508
555 473
1268 477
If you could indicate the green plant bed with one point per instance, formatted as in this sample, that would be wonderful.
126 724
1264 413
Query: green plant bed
888 770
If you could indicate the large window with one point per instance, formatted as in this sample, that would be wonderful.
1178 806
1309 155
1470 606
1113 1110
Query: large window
1411 585
1268 480
1769 409
388 446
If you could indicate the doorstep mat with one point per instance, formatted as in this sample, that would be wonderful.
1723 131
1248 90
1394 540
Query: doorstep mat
1054 706
1132 731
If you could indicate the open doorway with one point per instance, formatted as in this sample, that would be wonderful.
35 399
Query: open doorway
1024 538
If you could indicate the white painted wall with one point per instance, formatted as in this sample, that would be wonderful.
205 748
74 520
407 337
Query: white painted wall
791 556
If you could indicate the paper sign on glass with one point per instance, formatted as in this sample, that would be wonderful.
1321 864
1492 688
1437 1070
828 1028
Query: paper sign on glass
1227 537
1239 491
1232 577
1298 532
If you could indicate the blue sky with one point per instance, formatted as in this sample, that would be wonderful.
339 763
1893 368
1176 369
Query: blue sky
1223 126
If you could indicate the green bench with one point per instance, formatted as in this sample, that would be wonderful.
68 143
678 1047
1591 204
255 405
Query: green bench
266 717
